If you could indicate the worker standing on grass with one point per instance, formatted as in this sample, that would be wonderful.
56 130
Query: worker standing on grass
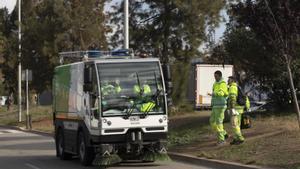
236 104
219 105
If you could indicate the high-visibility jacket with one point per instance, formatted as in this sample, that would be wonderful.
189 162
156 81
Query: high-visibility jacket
232 97
145 103
219 95
118 89
109 89
247 106
146 89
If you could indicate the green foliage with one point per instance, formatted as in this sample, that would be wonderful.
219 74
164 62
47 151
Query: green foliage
2 43
3 92
261 40
180 75
172 30
168 29
8 54
50 27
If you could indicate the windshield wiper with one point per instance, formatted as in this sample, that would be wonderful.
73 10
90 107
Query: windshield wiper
130 108
139 84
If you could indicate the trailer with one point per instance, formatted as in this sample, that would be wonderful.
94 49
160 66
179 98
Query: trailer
204 80
110 107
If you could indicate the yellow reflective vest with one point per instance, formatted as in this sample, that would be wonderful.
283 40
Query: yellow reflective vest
146 89
219 95
232 97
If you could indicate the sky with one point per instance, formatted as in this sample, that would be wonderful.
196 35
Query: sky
10 4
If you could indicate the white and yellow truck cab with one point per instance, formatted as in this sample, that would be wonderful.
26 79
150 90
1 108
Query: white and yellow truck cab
109 104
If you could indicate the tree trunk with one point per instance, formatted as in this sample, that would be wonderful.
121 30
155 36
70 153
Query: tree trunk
293 92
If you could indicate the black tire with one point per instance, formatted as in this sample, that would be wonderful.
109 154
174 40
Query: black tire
86 154
60 147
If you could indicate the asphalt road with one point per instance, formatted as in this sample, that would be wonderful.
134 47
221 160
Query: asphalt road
20 150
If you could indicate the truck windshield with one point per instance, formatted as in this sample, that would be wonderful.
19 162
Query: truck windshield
131 89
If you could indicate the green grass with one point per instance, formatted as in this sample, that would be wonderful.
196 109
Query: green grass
187 134
260 148
39 114
276 151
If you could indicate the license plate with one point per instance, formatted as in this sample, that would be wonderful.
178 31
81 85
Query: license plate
134 118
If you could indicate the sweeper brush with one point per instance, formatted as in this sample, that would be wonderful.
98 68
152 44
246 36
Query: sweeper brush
155 156
107 160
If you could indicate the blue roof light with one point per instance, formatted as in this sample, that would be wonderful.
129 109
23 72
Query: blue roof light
94 53
121 52
97 54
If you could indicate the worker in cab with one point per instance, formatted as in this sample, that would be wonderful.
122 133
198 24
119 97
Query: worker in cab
219 104
117 86
237 102
144 95
107 88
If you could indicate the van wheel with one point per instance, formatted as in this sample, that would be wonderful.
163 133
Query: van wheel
86 154
60 147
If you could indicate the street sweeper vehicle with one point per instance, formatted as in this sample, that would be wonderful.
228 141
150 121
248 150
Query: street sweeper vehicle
110 107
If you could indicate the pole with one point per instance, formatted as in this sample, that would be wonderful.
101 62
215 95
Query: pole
27 101
19 66
126 25
294 95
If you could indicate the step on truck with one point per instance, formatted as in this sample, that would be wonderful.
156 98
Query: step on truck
110 107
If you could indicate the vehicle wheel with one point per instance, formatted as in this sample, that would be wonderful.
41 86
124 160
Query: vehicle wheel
60 147
86 154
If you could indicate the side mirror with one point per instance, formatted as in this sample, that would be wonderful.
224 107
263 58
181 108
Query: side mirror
168 82
88 75
88 87
88 79
169 87
167 72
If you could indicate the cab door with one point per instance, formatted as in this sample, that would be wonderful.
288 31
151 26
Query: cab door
91 97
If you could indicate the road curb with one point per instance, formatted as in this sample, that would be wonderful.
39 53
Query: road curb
29 131
212 163
37 132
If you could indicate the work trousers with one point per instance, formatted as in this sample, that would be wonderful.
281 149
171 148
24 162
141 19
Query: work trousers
216 122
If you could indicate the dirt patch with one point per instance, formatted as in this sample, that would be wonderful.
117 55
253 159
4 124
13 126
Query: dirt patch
45 124
198 117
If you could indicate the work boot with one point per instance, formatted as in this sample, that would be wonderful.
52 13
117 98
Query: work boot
236 142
